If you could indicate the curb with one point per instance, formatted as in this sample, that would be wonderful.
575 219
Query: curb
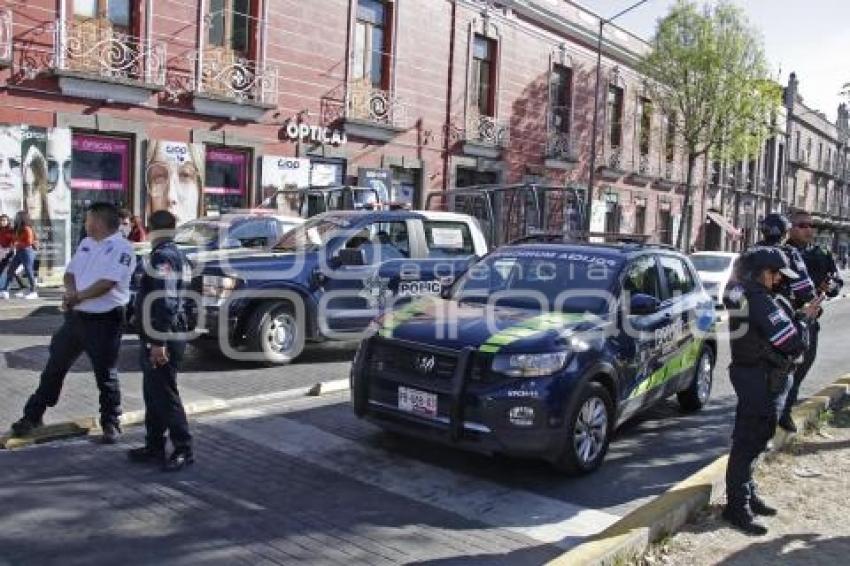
631 536
90 425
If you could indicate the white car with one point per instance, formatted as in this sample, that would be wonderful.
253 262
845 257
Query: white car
714 269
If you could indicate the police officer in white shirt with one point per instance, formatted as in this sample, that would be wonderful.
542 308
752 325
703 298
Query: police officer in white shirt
97 288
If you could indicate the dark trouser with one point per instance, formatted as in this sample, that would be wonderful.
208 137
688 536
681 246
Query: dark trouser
99 336
25 257
801 372
3 264
163 408
755 422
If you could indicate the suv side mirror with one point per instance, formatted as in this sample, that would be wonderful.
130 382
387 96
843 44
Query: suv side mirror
352 257
643 304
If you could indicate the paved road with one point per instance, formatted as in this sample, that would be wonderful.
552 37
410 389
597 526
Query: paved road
305 480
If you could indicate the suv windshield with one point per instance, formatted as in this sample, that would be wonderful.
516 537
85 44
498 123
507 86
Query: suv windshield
198 232
313 234
711 263
572 281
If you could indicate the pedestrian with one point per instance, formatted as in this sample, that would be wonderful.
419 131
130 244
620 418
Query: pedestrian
97 289
827 283
765 343
137 231
7 249
25 252
161 325
124 225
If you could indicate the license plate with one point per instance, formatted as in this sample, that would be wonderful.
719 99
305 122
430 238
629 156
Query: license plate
419 402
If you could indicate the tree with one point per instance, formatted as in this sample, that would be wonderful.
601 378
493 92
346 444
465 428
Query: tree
707 68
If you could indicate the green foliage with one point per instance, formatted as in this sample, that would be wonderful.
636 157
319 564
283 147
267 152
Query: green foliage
707 67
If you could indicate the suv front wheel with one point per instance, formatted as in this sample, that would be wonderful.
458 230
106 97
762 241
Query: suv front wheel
589 424
274 332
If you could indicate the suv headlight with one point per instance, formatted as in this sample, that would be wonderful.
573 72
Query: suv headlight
530 365
218 286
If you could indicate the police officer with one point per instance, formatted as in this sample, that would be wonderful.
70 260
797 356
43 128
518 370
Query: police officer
827 283
775 229
97 288
161 325
764 341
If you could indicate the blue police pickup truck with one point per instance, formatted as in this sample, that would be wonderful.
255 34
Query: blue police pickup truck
328 279
542 350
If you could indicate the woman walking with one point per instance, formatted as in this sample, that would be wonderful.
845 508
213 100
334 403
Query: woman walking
7 248
25 244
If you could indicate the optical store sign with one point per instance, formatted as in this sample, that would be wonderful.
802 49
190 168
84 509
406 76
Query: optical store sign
315 134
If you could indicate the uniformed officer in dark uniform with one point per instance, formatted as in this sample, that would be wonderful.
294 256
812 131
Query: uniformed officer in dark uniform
775 229
97 289
827 283
766 339
162 326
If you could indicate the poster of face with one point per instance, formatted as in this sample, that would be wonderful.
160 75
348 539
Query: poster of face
281 173
226 176
11 191
174 179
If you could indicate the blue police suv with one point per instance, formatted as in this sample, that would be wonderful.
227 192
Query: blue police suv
542 350
328 279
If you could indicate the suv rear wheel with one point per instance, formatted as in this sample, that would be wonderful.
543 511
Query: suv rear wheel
274 332
696 395
589 424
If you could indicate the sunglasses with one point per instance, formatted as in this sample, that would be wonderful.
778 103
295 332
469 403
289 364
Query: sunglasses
803 225
53 169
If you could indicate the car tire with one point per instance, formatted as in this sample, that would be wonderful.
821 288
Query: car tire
589 424
698 392
274 332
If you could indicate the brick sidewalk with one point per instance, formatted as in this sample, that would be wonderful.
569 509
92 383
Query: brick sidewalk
242 503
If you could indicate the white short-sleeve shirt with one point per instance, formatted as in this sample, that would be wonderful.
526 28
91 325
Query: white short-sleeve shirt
111 258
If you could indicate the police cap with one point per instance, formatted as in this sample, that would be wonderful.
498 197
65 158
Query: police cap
774 226
764 257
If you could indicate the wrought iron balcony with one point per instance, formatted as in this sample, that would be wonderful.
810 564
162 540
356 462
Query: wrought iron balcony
560 146
486 130
371 104
93 49
5 36
226 75
644 166
615 158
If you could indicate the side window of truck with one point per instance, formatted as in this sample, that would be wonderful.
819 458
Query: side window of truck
447 239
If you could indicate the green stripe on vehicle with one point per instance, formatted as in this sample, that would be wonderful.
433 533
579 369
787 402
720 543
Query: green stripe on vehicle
674 366
528 327
396 317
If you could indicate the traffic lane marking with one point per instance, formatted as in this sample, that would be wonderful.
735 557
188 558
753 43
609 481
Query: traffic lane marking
541 518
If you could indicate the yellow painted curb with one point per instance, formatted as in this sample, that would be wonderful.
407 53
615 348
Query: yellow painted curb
631 536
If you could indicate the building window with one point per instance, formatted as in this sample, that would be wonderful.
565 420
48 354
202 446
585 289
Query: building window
560 98
820 155
797 145
670 141
665 227
615 115
230 25
640 218
612 213
808 150
483 75
645 113
372 43
118 13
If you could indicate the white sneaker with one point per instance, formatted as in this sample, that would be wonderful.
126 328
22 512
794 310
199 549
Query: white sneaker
4 294
20 295
31 295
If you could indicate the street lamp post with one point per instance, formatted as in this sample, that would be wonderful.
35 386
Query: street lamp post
595 128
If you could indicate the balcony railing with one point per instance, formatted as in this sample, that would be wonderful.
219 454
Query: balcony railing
371 104
5 36
559 146
486 130
94 48
225 74
615 158
645 168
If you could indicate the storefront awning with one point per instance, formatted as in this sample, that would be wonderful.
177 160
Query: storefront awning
721 221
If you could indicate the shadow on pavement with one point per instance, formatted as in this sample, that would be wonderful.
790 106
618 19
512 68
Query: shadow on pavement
790 550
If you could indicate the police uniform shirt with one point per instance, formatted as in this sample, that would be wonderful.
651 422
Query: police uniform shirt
112 259
803 289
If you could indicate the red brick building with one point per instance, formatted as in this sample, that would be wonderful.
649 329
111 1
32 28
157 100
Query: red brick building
442 93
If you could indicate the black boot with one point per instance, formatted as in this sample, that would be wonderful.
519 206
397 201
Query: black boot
146 455
787 423
759 507
180 458
740 518
25 427
111 433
